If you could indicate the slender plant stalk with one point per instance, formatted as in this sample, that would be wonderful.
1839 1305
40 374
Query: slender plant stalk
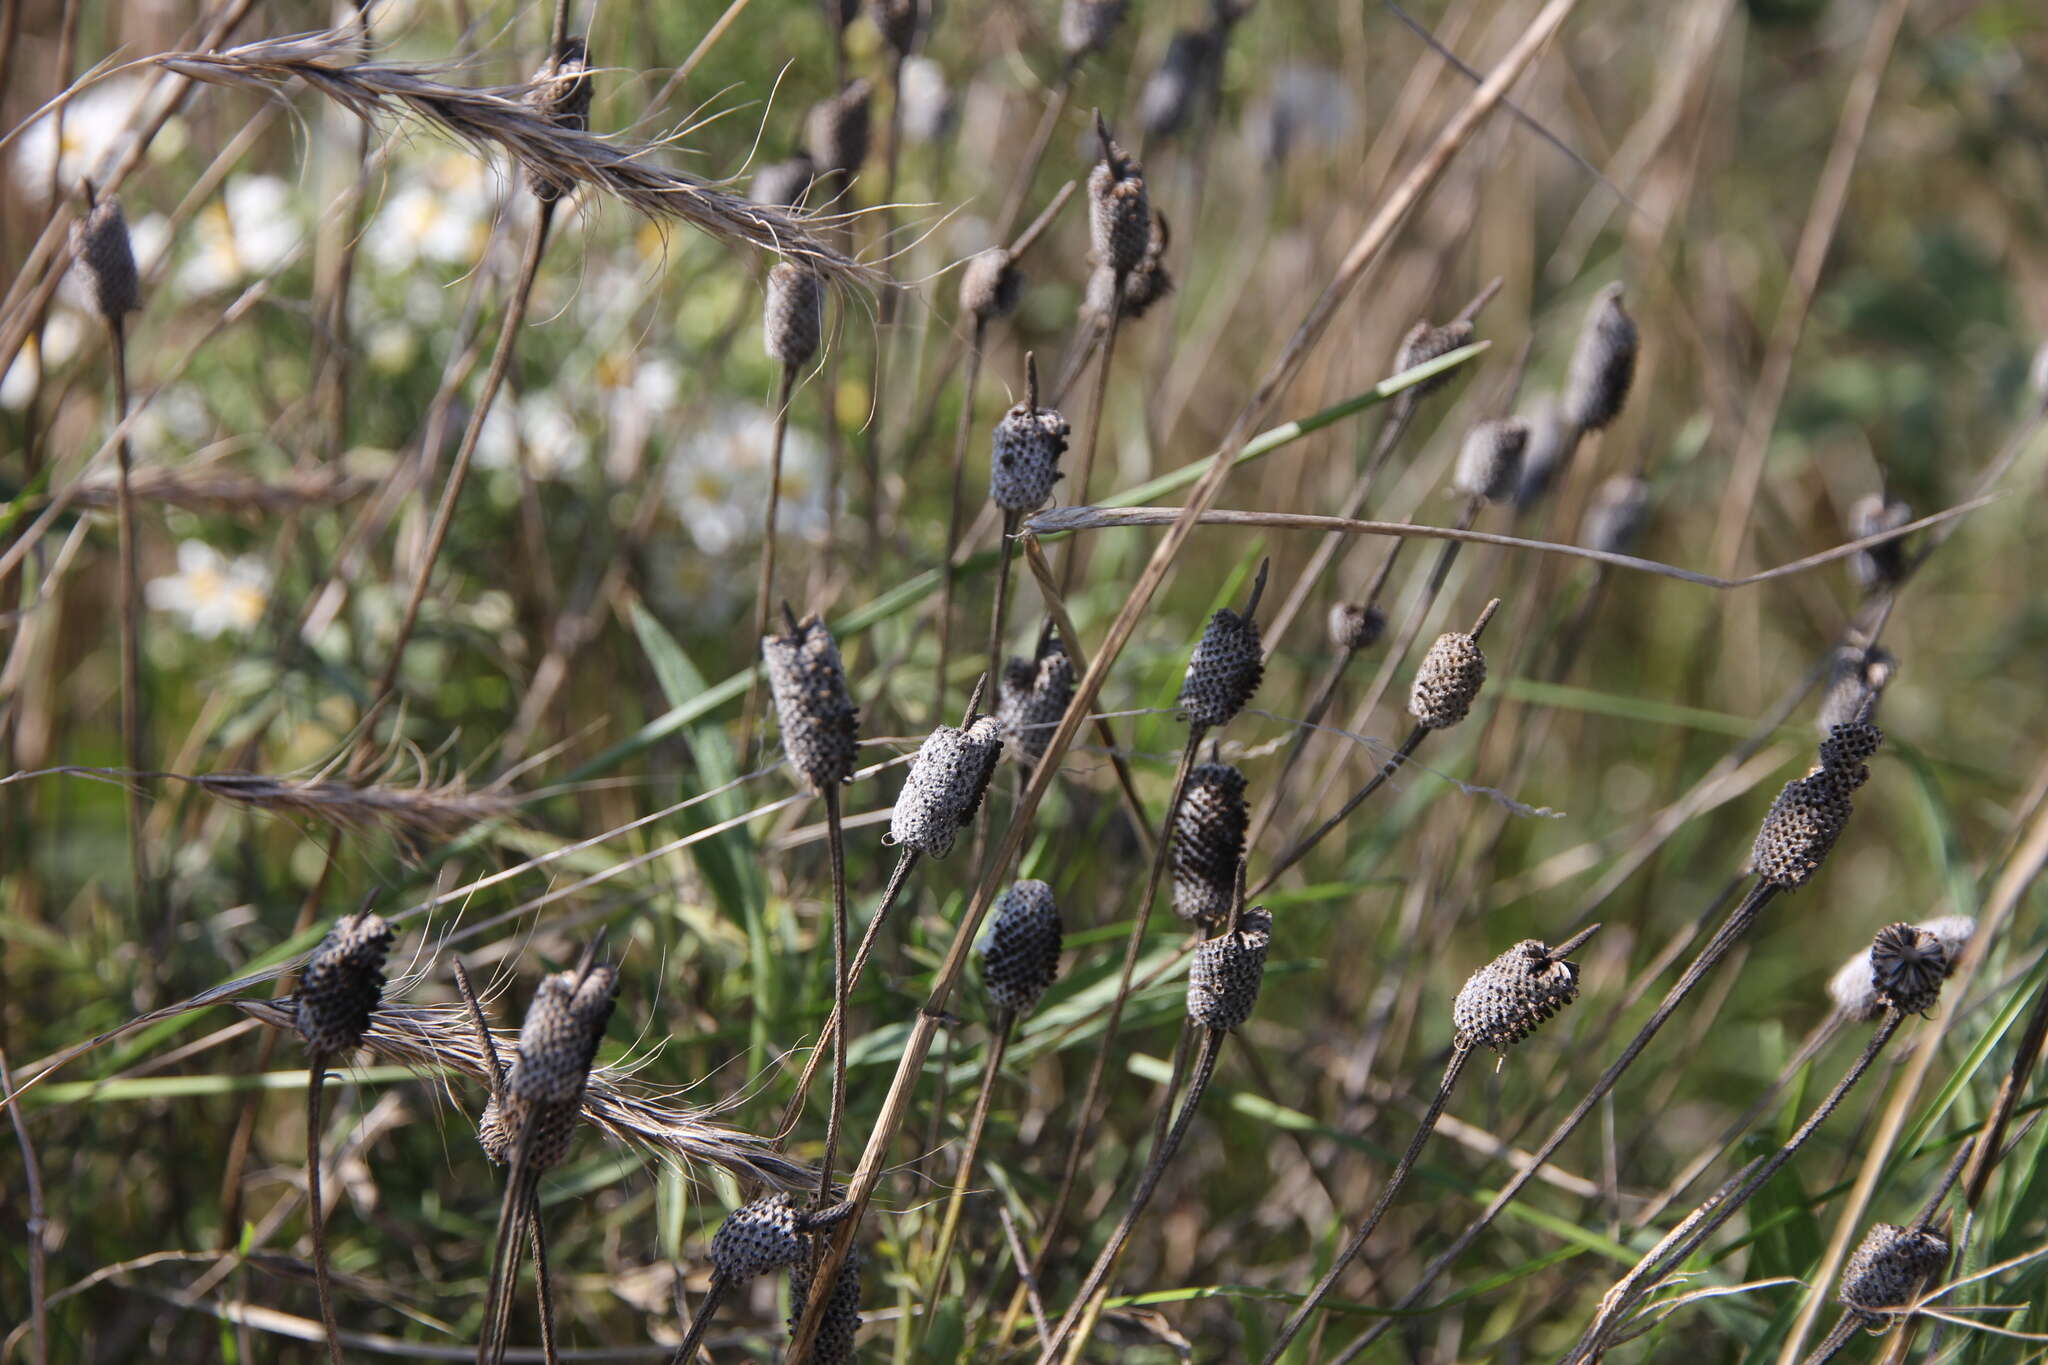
999 609
765 594
1072 565
956 509
707 1309
131 632
835 837
36 1227
1844 1333
949 1228
316 1211
1990 1144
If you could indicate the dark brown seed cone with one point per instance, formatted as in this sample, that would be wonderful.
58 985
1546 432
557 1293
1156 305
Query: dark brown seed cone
559 1039
1119 214
897 22
820 723
494 1132
1550 442
1020 954
1423 344
549 1129
1223 672
1355 625
1143 287
1087 25
1448 681
1223 980
793 315
1907 967
342 984
1880 566
560 92
1208 843
836 130
783 182
1800 828
990 284
1032 697
1617 515
945 786
1853 988
1024 463
1171 90
1856 683
1848 746
1503 1002
1891 1265
1490 461
841 1323
1603 363
107 256
758 1239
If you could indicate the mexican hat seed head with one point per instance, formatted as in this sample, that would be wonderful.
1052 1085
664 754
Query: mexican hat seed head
1032 697
1503 1002
990 284
1425 343
1616 516
559 1039
1907 966
560 93
1448 681
1223 980
1800 827
820 723
783 183
841 1323
1020 953
759 1238
342 984
1119 214
1490 461
836 130
1224 670
945 786
1208 843
107 256
1171 89
1025 462
1603 363
1551 442
1880 566
1356 625
1087 25
793 315
1891 1265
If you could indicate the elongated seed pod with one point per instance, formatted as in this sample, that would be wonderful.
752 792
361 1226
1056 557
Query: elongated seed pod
1025 461
107 256
1119 214
841 1324
990 284
1615 518
343 981
1490 461
1448 681
1425 343
1856 682
1086 26
1032 697
1208 843
1020 952
1880 566
558 1041
1890 1265
896 20
945 786
793 315
1907 967
759 1238
784 183
820 723
560 92
1603 363
1355 625
1174 85
1224 978
1224 670
1811 812
1503 1002
1551 441
836 130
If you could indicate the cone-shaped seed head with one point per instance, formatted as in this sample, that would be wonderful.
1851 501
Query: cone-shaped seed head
1425 343
1171 89
1224 670
1025 461
1150 282
1503 1002
782 183
1891 1264
820 723
793 315
1223 980
1448 681
1020 953
990 284
1856 682
841 1323
494 1132
1490 461
1119 215
1087 25
559 1039
1907 967
1616 516
897 21
549 1128
560 93
342 984
836 130
1603 363
1208 843
107 257
1551 441
1853 988
1880 566
1354 625
759 1239
1032 697
945 786
1811 812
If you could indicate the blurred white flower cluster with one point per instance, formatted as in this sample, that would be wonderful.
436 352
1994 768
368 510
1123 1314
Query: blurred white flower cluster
213 593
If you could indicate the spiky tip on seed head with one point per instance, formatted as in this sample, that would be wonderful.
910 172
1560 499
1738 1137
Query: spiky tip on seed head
1024 462
1504 1002
820 723
793 314
1907 966
558 1041
1603 363
1119 213
1020 952
1490 461
1890 1266
1208 843
105 253
945 786
342 983
759 1238
1856 683
1355 625
1224 978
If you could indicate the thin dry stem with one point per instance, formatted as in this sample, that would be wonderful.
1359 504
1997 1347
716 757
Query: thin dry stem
316 1210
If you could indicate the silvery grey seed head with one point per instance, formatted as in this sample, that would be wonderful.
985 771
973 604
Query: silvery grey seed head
1119 214
494 1132
1619 511
1853 992
105 253
1847 747
834 1344
758 1239
1087 25
1143 287
1880 566
1224 670
1503 1002
1024 462
1448 681
559 1039
1891 1265
1603 363
560 93
1032 697
783 183
820 723
1208 843
836 130
945 786
1551 441
990 284
1020 953
549 1130
1856 681
2037 375
1490 461
1355 625
342 983
1953 932
793 314
927 101
1425 343
1907 967
1172 88
1223 980
897 22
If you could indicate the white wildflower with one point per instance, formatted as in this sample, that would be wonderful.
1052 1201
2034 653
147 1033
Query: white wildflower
247 233
212 592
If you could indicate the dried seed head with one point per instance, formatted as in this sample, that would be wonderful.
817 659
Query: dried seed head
1810 813
1119 214
559 1039
1223 980
836 1330
1858 679
1025 461
1448 681
560 93
2037 375
758 1239
1616 516
1953 932
1891 1265
1170 91
1847 747
897 22
1490 461
104 252
1032 697
549 1130
1087 25
1224 670
783 183
793 315
1355 625
1423 344
1880 566
820 723
342 984
990 284
1603 363
1208 843
1503 1002
1852 991
945 786
836 130
1907 967
494 1132
1551 441
1020 953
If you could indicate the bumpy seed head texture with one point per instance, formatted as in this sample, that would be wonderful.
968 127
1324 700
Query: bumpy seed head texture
1087 25
1603 363
1550 444
1032 697
793 314
1490 461
1119 214
1880 566
945 786
820 723
990 284
836 130
1208 843
1891 1265
494 1132
107 256
1425 343
1448 681
1503 1002
897 22
1617 515
1170 91
1907 967
559 1039
342 984
1020 953
1810 813
841 1323
783 182
1856 682
560 93
1025 461
1354 625
1223 980
1846 749
758 1239
1224 671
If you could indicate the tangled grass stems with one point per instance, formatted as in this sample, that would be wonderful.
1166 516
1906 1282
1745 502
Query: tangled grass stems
963 1179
